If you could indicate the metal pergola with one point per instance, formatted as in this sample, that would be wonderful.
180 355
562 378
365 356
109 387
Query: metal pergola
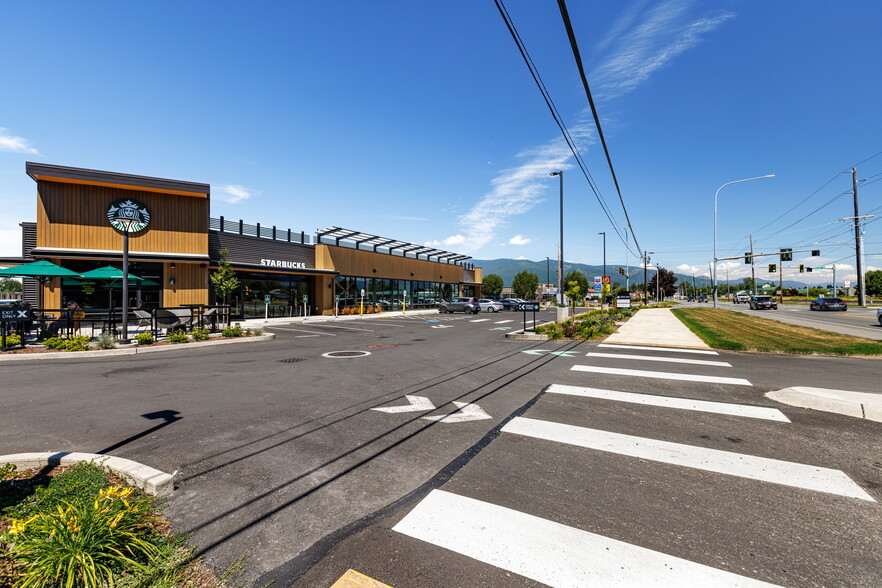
375 241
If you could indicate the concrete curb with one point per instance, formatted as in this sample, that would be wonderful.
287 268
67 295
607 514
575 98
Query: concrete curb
862 405
134 350
151 481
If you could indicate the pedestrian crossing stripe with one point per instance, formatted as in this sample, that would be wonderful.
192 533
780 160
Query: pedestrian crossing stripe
661 375
549 552
656 358
650 348
742 410
742 465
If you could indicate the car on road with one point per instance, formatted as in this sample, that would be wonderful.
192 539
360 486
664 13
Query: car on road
828 304
879 316
488 305
461 304
510 303
761 302
739 297
702 298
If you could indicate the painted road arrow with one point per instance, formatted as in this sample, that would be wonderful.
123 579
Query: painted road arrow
442 326
549 352
467 412
417 404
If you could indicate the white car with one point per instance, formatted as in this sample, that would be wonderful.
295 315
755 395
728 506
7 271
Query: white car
490 305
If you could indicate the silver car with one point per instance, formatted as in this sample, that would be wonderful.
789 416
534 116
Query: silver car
461 304
488 305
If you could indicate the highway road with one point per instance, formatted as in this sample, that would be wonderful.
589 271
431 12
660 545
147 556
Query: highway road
433 452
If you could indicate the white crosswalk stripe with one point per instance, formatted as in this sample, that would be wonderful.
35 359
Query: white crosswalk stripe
647 348
660 375
654 358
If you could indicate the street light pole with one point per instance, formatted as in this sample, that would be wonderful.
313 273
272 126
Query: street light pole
715 226
602 280
561 258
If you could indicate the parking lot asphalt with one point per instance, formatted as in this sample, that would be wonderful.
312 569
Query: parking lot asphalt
281 456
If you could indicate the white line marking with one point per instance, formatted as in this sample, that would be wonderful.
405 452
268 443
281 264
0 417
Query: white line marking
547 551
713 460
315 333
503 322
347 328
648 348
743 410
467 412
654 358
376 322
415 404
661 375
478 320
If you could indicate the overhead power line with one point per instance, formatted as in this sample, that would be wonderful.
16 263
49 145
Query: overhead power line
534 72
562 5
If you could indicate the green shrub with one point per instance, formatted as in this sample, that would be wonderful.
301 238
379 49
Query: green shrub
255 331
145 338
54 343
77 343
199 334
106 340
178 336
13 340
235 331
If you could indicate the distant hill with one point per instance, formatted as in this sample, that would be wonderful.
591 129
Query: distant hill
509 268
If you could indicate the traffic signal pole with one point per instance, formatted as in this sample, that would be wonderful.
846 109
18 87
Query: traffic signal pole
752 268
862 298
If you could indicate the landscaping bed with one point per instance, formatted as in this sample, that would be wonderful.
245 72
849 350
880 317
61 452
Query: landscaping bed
736 331
590 325
81 526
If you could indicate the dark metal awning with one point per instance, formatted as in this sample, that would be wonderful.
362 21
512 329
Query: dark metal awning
340 234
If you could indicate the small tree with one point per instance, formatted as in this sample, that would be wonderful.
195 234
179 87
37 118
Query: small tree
580 279
492 285
666 279
873 282
525 284
7 285
224 278
573 292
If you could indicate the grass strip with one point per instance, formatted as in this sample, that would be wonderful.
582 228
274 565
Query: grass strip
735 331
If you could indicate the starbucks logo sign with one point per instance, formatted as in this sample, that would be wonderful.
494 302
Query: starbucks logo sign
128 216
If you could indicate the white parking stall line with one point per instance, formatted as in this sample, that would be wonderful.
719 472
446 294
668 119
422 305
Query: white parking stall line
648 348
376 322
712 460
503 322
742 410
315 333
347 328
655 358
661 375
547 551
478 320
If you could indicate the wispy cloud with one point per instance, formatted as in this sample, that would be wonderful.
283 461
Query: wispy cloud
9 142
234 193
448 242
640 42
520 240
643 45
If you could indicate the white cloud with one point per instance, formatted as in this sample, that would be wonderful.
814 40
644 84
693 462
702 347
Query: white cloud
685 268
521 258
662 34
520 240
234 193
448 242
15 144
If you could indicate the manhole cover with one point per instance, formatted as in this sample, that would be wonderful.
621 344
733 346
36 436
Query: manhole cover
345 354
381 346
291 360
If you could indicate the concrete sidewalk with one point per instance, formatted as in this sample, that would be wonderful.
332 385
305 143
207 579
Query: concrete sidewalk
656 326
259 322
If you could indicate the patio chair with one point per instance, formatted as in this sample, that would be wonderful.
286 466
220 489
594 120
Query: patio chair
185 315
166 319
145 319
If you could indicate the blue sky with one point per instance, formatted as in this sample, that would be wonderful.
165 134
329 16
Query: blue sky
419 120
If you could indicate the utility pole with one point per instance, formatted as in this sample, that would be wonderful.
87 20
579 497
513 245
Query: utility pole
752 269
781 283
694 289
834 280
627 264
657 283
728 285
862 298
645 291
547 269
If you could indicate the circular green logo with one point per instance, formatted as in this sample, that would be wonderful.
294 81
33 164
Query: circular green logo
128 216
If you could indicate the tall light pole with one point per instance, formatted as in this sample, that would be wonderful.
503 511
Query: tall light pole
715 225
604 270
561 249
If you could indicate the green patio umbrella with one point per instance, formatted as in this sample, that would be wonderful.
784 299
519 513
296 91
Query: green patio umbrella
110 274
42 270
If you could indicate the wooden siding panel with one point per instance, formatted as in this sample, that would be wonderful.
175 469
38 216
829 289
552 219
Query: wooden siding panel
190 287
75 216
352 262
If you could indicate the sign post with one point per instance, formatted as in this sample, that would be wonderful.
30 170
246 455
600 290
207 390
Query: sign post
128 216
404 302
529 307
13 314
266 303
361 304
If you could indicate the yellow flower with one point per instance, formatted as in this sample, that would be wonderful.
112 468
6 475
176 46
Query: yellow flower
115 520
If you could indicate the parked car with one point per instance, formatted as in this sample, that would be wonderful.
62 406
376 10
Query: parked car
510 303
761 302
828 304
488 305
461 304
879 316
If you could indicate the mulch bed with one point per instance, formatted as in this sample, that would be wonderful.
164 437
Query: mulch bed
40 349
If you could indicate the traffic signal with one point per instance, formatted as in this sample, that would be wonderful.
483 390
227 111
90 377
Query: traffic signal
773 268
816 252
801 268
622 271
808 269
748 258
787 255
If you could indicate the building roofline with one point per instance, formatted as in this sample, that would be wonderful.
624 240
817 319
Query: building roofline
75 175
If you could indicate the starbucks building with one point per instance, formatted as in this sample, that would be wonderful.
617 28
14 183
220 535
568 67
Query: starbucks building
84 217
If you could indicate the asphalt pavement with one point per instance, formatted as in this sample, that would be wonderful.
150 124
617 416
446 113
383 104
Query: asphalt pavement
489 462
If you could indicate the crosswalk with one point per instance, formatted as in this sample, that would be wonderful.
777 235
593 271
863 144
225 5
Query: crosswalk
561 555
